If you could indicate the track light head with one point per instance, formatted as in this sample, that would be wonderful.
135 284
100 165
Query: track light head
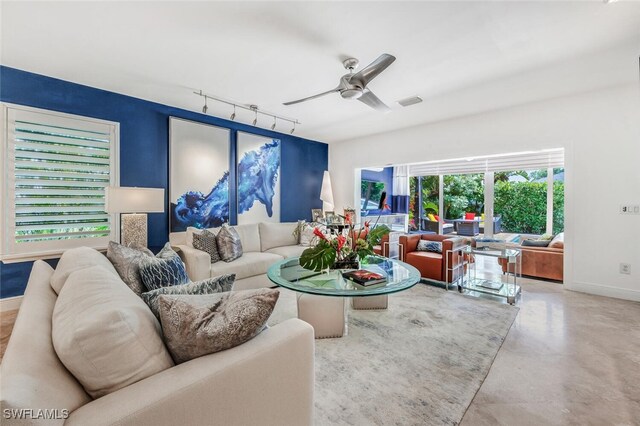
273 126
233 116
205 108
255 121
293 129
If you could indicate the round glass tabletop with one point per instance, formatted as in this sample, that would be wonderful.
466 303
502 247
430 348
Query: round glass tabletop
289 274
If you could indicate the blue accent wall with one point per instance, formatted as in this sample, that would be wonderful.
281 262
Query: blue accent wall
144 149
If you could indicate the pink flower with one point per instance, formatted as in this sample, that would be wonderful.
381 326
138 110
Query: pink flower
318 233
341 241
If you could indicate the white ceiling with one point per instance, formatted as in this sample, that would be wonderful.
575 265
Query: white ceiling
460 57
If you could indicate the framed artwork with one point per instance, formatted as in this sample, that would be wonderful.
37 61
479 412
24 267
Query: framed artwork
331 217
316 215
198 175
258 171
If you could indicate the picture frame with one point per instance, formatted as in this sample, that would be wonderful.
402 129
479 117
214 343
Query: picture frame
316 215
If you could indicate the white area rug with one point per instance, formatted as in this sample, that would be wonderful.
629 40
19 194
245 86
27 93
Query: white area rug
420 362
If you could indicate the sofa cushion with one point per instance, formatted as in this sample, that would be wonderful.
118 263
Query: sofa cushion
104 334
209 286
206 241
429 264
250 264
287 251
194 326
163 270
126 260
229 244
277 235
76 259
249 235
535 243
557 242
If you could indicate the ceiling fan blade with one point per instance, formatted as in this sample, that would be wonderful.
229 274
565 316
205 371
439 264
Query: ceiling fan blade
311 97
371 71
368 98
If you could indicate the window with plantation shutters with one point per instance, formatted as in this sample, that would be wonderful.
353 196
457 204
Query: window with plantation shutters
55 170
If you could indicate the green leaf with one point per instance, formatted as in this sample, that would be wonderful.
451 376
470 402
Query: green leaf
318 258
376 234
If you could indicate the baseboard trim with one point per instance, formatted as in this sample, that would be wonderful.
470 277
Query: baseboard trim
605 290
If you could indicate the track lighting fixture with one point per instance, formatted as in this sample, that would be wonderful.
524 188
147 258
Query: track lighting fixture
205 107
251 107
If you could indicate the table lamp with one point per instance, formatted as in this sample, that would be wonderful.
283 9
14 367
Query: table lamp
134 203
326 193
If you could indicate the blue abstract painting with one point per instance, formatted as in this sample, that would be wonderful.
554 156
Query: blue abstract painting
258 171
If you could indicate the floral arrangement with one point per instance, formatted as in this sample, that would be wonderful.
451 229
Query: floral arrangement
342 251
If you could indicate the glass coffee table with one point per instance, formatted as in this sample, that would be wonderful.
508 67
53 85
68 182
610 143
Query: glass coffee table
321 295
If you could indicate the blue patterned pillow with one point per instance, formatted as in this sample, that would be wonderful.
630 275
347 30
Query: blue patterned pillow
432 246
163 270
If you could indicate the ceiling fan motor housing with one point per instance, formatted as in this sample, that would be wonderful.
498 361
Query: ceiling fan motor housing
353 93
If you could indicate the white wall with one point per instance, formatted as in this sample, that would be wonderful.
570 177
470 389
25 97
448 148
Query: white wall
600 132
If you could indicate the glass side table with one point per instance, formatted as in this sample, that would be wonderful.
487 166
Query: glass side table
508 289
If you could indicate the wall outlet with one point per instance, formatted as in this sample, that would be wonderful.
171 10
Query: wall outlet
630 209
625 268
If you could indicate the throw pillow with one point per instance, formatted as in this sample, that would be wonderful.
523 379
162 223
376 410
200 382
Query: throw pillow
558 241
194 326
432 217
206 241
105 335
76 259
229 244
469 216
546 237
432 246
219 284
536 243
163 270
126 260
297 233
437 218
307 237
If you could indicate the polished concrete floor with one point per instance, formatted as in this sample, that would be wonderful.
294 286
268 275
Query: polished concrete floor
569 358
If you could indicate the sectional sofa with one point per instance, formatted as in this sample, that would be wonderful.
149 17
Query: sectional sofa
268 380
262 244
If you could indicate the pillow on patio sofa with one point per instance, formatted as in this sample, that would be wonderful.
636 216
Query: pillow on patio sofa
194 326
535 243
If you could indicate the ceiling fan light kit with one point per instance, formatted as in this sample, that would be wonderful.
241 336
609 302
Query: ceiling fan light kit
253 108
354 86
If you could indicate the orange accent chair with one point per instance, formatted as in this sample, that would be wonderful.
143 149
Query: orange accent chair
431 265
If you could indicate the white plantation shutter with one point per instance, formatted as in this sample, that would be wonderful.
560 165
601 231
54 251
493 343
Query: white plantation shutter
55 169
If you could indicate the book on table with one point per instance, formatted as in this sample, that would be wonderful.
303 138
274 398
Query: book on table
365 278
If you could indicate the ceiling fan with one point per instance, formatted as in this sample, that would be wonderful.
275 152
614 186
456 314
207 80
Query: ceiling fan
354 86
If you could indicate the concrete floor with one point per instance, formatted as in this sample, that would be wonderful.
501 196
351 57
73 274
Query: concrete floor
569 358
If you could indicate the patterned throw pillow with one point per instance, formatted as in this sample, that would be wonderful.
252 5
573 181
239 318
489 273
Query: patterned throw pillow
307 237
209 286
163 270
126 260
229 244
432 246
206 241
194 326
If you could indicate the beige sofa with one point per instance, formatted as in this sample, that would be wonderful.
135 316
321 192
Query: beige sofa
263 244
268 380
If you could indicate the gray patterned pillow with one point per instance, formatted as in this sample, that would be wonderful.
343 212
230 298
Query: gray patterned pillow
432 246
163 270
194 326
209 286
126 261
229 244
206 241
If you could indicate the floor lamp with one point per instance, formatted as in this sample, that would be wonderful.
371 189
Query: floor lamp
326 193
134 204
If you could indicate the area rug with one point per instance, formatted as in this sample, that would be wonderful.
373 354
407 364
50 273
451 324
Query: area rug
420 362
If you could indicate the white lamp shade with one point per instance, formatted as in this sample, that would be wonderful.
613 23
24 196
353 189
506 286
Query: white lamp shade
326 193
134 200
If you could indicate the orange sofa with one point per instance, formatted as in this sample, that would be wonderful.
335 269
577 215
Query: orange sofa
543 262
431 265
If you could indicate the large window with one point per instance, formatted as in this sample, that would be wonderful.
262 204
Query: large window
55 168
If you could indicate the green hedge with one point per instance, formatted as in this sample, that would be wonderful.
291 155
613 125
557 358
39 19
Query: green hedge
523 206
